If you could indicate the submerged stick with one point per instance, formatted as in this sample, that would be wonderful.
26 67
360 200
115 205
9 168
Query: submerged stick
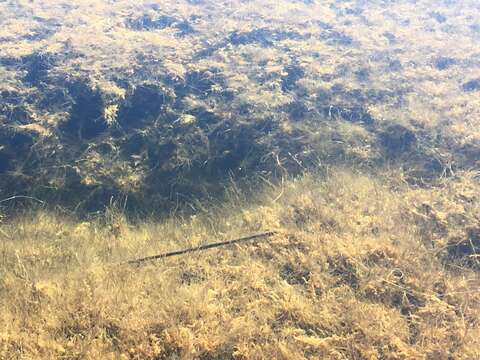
202 247
22 197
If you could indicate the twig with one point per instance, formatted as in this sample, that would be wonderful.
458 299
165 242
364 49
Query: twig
202 247
22 197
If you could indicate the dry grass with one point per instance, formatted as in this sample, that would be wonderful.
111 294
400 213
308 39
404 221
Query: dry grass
352 274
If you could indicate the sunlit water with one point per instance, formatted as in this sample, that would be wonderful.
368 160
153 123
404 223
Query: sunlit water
113 99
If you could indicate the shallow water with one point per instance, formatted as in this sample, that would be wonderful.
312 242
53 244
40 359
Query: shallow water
349 130
103 100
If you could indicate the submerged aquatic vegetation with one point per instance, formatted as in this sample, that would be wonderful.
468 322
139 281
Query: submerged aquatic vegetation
358 269
349 127
257 82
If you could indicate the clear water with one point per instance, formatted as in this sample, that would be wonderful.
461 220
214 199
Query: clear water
103 100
